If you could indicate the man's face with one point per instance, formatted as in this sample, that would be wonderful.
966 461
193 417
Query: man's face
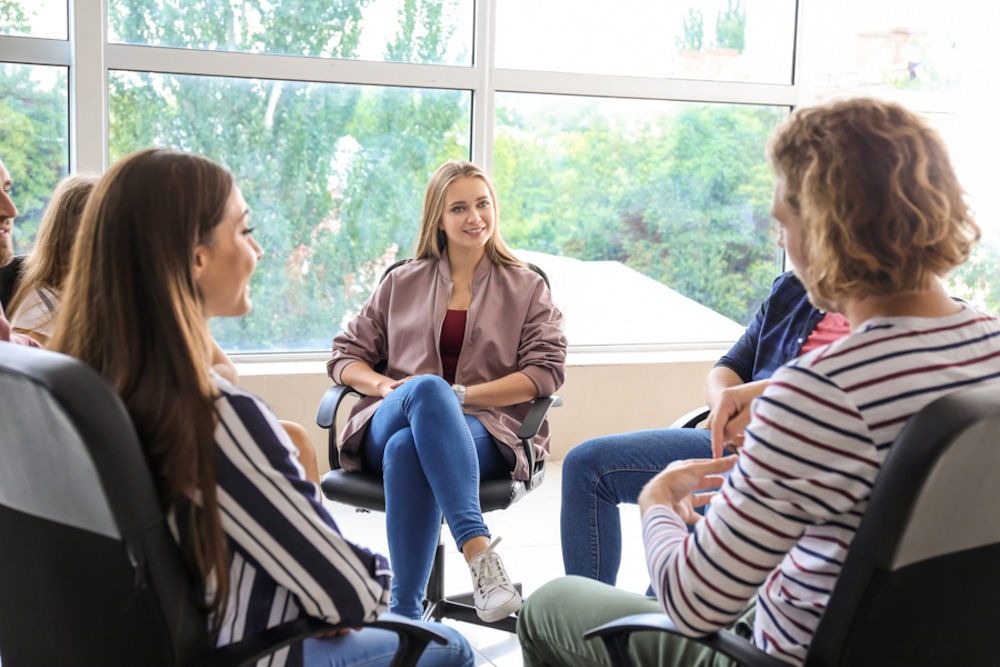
7 214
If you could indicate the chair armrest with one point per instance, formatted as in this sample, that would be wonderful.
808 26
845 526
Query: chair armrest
413 639
326 417
529 429
328 406
536 415
615 636
692 418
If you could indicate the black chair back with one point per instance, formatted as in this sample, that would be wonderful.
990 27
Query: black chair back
89 573
921 583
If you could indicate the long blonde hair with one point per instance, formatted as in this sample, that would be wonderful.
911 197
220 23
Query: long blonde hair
433 241
48 263
131 309
881 207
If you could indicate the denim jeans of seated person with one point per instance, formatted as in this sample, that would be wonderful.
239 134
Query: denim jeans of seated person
374 647
431 457
600 474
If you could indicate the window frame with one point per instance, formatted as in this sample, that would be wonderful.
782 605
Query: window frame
90 57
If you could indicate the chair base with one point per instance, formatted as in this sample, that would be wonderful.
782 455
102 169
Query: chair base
459 607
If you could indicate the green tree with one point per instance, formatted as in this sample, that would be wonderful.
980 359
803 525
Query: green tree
730 27
684 200
693 37
33 140
13 18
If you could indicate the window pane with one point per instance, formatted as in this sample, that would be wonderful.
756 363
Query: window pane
334 175
679 193
921 52
34 142
721 40
33 18
429 31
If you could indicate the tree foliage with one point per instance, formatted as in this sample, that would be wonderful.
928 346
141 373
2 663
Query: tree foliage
33 140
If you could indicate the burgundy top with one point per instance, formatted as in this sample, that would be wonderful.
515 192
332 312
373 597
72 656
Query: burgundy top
452 335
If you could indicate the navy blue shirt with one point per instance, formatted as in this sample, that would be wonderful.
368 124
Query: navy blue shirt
777 332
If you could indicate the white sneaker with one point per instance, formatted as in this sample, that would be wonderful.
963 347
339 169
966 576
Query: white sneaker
495 597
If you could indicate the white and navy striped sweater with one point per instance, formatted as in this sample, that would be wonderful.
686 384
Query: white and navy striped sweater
288 557
781 525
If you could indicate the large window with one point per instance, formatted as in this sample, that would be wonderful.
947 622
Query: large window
625 138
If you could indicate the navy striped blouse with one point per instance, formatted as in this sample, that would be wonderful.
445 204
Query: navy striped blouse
288 557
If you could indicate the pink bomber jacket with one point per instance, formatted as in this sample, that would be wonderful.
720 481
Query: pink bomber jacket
512 325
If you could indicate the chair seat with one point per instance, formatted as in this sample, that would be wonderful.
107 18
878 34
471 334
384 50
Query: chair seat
365 490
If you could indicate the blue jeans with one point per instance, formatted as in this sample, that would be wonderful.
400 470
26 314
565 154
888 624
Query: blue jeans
431 457
598 475
373 646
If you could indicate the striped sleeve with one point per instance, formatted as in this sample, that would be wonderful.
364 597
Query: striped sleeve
808 459
275 521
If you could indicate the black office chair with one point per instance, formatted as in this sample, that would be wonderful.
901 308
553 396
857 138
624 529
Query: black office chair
89 572
365 492
920 584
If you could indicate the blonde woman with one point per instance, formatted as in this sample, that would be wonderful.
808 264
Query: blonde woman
470 337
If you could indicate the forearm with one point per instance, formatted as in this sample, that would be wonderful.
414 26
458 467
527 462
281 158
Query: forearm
362 377
719 379
509 390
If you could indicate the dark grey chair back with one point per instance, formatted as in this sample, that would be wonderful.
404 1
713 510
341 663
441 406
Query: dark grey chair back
921 583
89 573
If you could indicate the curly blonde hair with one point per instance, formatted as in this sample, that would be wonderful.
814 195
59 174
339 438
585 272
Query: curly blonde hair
881 208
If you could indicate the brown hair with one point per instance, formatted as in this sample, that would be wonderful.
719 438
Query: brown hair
48 263
881 208
131 310
433 241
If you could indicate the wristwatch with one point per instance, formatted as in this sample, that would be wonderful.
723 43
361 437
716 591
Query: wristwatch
459 390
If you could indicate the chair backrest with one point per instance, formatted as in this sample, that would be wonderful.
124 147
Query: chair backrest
921 581
89 573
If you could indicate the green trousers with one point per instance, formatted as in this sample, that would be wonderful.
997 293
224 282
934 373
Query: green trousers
552 622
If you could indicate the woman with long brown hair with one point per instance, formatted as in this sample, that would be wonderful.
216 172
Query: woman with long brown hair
163 246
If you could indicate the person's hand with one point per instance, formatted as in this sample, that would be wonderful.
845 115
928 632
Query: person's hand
386 386
729 418
675 486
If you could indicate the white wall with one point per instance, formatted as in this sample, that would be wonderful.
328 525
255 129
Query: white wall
603 393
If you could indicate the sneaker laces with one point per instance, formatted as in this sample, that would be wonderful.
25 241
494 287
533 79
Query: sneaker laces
490 574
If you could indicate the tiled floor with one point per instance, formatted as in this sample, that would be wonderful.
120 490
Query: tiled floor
530 552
